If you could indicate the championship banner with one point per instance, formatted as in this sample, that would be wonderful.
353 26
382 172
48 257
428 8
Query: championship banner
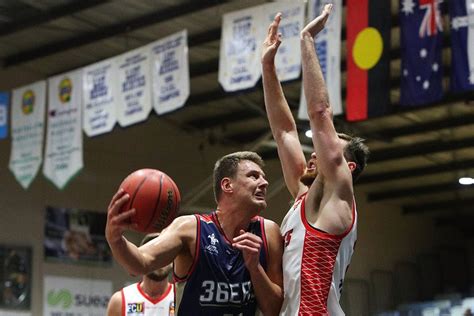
134 93
240 50
64 296
99 97
328 48
288 57
4 98
170 72
28 107
76 236
462 45
63 155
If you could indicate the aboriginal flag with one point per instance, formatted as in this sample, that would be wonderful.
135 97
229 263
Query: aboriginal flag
368 60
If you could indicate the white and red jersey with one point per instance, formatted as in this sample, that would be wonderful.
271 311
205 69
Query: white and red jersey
314 264
136 302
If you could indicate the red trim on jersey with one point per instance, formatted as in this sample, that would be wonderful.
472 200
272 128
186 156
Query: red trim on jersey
177 278
123 302
264 236
149 298
320 233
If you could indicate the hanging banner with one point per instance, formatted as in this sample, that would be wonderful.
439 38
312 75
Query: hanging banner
4 99
75 297
134 93
240 50
28 106
288 58
63 154
328 47
100 97
170 72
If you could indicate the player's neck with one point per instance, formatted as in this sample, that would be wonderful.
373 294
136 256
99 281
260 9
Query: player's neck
153 288
232 222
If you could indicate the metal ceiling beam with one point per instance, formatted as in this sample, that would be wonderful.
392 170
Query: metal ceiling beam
415 172
416 191
52 14
114 30
448 205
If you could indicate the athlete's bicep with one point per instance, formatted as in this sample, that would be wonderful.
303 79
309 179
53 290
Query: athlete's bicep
275 253
114 308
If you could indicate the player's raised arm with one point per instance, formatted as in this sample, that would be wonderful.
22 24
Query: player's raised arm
281 119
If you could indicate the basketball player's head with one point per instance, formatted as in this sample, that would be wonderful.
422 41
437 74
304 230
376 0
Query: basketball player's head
162 273
355 153
241 173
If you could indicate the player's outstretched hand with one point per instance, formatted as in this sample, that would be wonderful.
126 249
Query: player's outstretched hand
118 220
271 42
316 25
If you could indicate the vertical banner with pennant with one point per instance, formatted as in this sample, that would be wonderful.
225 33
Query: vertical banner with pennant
288 58
28 107
328 47
63 154
368 60
170 72
134 93
99 97
421 32
72 296
240 51
462 45
4 100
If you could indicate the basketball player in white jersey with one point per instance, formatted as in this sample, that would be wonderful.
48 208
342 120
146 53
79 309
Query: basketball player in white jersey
153 296
320 229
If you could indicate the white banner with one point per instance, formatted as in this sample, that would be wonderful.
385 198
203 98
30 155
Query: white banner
134 92
240 50
75 297
328 46
170 72
288 58
99 97
14 313
28 106
63 155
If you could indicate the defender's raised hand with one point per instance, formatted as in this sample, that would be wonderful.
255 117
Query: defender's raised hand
272 41
316 25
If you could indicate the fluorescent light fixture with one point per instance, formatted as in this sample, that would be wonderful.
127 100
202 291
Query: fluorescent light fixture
466 181
309 133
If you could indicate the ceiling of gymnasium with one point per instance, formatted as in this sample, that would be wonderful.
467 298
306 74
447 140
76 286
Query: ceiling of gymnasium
417 154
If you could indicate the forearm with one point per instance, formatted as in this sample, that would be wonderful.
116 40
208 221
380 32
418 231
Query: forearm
128 256
269 295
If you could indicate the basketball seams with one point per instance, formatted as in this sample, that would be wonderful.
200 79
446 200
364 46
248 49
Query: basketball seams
137 189
158 198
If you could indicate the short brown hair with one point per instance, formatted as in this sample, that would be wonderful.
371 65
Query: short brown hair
227 167
355 151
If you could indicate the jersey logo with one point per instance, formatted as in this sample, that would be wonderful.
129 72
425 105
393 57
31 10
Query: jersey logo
171 309
287 237
136 308
212 249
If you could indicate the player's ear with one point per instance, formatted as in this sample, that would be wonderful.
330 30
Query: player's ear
226 185
352 165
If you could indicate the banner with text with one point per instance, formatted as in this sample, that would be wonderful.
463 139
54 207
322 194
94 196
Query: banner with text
63 154
134 93
64 296
328 47
99 97
28 108
240 50
4 100
170 72
288 58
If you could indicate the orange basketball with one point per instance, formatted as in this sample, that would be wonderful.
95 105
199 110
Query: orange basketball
155 197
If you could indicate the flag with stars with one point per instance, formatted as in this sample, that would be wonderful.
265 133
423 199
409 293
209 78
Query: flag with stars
420 43
462 55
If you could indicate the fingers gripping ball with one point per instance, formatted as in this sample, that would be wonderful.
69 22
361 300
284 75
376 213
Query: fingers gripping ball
155 197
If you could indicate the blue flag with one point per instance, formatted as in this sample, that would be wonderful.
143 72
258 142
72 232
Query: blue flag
420 43
4 98
462 55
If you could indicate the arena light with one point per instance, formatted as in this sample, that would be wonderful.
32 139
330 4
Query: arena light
466 181
309 133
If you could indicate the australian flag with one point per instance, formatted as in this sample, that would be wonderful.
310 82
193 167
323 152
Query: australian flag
421 44
462 44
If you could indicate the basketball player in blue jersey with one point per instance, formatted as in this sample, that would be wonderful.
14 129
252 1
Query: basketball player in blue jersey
225 263
320 228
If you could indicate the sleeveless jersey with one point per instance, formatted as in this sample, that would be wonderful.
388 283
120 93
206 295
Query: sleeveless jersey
314 264
218 283
135 302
